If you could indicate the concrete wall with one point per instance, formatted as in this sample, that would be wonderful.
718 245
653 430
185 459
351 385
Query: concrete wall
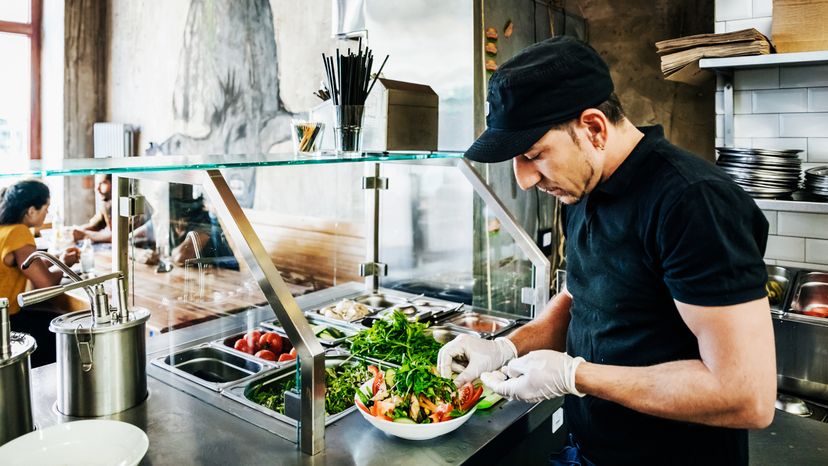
780 108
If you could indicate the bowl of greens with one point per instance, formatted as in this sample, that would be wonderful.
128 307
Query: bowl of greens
414 402
395 339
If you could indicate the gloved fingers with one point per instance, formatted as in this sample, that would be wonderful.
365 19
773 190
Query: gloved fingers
507 388
469 374
511 372
457 367
445 357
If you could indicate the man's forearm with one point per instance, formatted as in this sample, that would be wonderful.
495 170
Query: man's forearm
546 331
680 390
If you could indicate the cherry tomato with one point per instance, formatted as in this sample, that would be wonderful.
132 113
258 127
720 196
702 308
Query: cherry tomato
252 338
266 354
242 345
286 357
271 341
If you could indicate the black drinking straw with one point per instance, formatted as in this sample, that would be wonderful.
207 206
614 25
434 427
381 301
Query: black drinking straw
349 75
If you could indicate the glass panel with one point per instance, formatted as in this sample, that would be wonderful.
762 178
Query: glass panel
15 100
16 11
90 166
427 241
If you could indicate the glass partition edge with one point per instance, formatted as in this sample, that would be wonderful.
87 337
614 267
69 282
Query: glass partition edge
91 166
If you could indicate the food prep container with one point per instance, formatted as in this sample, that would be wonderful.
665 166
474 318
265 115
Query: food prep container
243 392
785 278
318 312
15 379
811 299
487 326
228 343
444 334
348 330
212 367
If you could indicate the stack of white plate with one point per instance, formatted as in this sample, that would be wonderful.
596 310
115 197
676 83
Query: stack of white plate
762 173
816 181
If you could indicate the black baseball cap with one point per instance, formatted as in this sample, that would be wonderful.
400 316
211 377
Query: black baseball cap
545 84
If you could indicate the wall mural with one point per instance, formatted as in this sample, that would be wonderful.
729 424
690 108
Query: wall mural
226 98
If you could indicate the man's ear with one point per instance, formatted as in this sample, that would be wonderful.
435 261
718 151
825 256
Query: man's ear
596 124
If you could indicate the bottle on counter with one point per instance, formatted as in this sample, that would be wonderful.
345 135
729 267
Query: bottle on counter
87 256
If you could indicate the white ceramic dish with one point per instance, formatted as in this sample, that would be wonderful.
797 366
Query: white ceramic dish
415 431
87 443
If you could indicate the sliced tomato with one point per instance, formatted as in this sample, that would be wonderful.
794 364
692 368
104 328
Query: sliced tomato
464 393
377 384
441 413
470 402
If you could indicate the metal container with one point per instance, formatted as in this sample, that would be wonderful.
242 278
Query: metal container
243 392
101 366
212 367
445 334
785 278
487 326
15 380
228 343
318 325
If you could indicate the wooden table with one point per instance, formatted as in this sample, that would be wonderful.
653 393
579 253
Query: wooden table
183 296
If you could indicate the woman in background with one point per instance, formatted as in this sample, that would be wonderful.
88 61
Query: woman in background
24 205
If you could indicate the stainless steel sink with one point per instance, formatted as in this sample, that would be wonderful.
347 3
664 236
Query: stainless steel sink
211 367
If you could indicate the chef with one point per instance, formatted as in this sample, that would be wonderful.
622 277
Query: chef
662 342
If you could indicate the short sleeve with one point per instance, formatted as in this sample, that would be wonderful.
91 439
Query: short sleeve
18 236
711 244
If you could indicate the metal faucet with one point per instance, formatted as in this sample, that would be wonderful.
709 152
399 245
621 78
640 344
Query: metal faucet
98 299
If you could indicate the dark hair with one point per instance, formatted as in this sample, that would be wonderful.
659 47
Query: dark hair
610 107
17 198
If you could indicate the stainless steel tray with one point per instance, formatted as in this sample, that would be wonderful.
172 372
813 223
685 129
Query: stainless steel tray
316 312
212 367
784 277
240 392
348 330
227 343
488 326
445 334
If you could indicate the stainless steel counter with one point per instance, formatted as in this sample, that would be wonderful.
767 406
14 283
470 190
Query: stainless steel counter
183 429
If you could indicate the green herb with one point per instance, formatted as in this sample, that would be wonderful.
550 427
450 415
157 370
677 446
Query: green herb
419 377
341 382
396 340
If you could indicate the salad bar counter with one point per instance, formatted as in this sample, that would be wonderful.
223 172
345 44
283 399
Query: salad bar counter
210 403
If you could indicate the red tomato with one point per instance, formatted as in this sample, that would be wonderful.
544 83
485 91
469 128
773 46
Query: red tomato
266 354
469 404
293 352
375 386
252 338
271 341
464 393
242 345
286 357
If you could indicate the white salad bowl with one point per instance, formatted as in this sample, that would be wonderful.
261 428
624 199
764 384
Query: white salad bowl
415 431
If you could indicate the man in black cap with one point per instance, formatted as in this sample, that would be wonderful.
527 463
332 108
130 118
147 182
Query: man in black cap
669 352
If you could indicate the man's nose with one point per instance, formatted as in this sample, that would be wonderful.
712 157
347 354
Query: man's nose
525 173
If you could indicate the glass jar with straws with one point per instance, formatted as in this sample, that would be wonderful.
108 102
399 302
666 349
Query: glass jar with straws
349 81
306 136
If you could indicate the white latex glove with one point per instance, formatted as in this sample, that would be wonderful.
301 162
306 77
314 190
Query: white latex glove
471 356
539 375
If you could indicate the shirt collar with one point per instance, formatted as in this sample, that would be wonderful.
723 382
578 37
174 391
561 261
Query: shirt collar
618 182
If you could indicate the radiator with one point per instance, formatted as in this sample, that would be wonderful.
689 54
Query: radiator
112 140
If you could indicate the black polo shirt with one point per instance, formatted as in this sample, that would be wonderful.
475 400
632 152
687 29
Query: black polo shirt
666 225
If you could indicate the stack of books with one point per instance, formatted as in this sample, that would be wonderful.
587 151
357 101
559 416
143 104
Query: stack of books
680 57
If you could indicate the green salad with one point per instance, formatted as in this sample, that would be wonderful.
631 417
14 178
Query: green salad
395 340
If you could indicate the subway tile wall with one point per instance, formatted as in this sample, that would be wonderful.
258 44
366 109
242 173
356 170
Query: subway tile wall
780 108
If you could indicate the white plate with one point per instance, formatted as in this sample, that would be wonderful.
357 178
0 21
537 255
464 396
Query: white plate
88 443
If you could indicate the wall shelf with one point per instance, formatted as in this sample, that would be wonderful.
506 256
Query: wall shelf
812 207
764 61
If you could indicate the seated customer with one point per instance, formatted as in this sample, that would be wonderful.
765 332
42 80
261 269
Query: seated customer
24 205
193 227
99 227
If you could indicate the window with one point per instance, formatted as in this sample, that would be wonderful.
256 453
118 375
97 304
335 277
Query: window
19 80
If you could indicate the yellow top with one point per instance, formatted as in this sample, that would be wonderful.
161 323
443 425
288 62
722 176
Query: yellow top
12 280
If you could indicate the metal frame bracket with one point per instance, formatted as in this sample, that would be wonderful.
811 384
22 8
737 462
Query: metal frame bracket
371 269
130 206
374 182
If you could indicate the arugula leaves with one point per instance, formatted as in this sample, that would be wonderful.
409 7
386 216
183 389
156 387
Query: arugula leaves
396 340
